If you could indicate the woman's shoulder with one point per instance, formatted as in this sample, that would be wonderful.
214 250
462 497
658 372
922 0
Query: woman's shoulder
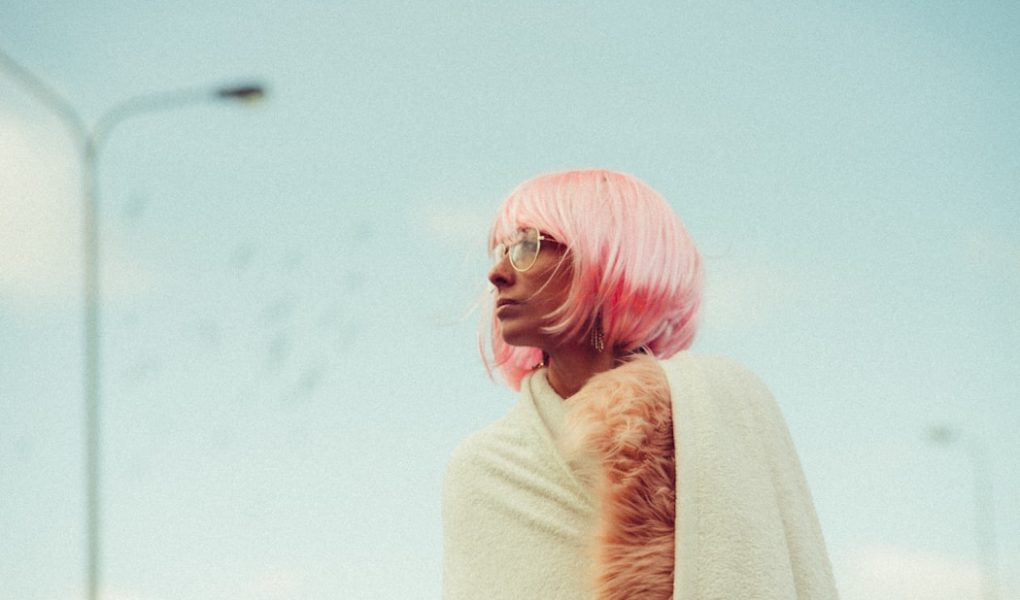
712 363
714 371
498 438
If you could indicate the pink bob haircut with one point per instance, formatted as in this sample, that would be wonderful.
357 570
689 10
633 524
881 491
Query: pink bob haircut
632 261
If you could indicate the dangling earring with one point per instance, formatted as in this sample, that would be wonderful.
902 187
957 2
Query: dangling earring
598 337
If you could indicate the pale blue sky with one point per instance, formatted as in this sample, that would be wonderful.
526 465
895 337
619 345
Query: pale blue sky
290 353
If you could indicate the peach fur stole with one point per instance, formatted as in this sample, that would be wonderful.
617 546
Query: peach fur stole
618 438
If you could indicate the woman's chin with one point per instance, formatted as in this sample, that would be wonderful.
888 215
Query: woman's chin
520 338
516 341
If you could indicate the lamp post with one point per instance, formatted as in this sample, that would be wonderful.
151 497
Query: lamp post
983 503
90 141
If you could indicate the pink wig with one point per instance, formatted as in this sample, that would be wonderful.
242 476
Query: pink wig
633 264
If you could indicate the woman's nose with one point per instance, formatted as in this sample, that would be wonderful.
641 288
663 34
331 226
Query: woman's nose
502 274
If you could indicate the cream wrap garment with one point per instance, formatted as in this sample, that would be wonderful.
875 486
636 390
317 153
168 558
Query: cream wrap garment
530 512
745 523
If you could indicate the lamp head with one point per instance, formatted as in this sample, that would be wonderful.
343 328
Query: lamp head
247 93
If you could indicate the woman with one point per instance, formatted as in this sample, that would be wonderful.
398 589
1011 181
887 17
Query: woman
628 468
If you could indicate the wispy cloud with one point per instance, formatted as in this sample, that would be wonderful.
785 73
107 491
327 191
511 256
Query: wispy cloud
992 253
276 582
457 225
741 294
890 573
40 221
109 593
273 582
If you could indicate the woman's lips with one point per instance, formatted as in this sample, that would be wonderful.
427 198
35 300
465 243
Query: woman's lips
505 305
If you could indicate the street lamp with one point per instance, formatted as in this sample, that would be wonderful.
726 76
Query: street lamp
90 140
983 502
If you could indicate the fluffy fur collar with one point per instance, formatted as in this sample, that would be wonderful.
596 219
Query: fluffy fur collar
619 437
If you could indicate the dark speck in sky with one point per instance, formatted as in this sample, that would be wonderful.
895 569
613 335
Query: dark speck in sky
310 380
278 310
353 280
293 259
134 208
242 257
142 368
209 333
363 230
279 349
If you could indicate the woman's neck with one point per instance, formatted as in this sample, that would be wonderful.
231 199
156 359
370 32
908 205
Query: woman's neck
571 368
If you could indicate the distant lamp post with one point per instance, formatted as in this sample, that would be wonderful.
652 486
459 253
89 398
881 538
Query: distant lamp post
90 140
944 435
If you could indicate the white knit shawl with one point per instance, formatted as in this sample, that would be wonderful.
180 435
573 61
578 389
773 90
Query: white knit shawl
745 523
517 519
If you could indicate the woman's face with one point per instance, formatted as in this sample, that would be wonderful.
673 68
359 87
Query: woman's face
524 299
